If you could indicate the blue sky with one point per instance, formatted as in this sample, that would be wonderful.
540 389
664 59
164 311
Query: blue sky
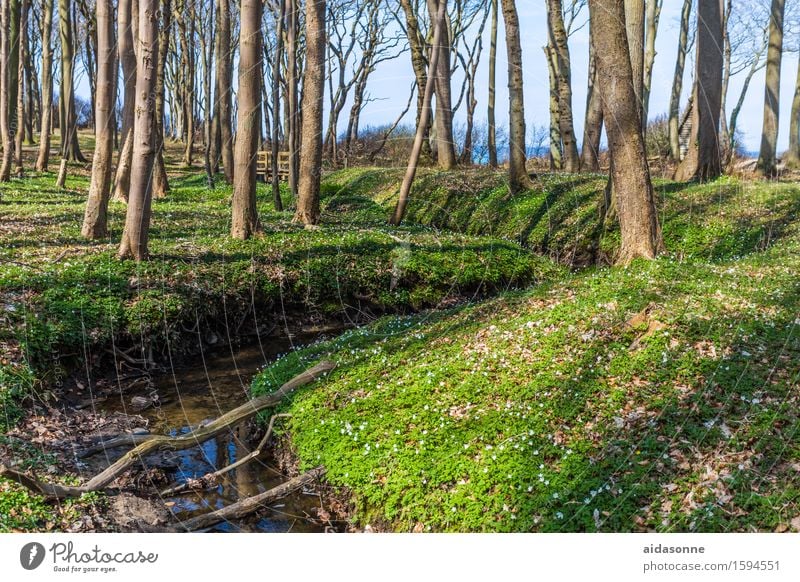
390 82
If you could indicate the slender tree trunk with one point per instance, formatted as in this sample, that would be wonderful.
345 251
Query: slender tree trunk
703 160
653 16
70 149
793 153
292 101
445 144
641 235
308 211
245 216
224 83
518 178
137 219
95 221
276 107
47 86
556 155
593 125
767 157
727 53
160 179
5 130
677 83
560 51
420 65
23 43
422 123
491 129
730 147
11 79
127 59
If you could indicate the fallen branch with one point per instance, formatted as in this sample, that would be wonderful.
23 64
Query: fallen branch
251 504
178 443
211 477
130 439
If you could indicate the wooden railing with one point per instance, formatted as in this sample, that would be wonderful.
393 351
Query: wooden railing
264 165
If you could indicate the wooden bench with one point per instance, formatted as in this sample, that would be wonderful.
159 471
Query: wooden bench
264 165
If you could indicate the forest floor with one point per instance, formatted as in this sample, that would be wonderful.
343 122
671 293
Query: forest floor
517 394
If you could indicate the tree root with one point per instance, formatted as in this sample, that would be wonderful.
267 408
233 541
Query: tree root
156 443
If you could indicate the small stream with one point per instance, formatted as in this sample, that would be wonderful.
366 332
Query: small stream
209 387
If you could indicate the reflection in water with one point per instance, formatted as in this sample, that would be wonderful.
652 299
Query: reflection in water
204 391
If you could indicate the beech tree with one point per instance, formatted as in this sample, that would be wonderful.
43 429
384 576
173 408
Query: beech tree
10 89
518 178
127 59
68 125
223 91
308 211
772 91
137 219
677 82
244 221
703 160
95 224
46 108
639 228
558 52
490 105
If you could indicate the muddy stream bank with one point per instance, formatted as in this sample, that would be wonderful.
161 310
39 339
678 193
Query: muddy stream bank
199 390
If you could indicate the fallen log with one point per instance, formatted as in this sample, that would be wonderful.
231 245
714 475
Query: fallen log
156 443
131 439
252 504
209 478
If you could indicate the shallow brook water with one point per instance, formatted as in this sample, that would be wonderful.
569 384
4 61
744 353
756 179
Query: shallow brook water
206 388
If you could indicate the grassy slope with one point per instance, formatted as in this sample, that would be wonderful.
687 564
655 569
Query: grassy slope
543 411
61 295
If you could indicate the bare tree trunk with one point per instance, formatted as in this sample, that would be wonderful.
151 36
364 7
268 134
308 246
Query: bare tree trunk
703 160
47 86
276 107
727 51
653 16
593 125
160 179
5 133
137 219
245 216
23 42
677 83
767 157
556 156
491 129
127 59
641 235
95 222
757 64
11 80
420 65
634 26
292 101
422 123
445 144
560 52
224 83
70 149
518 178
308 211
793 153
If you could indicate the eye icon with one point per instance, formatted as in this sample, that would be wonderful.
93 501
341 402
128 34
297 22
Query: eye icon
31 555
